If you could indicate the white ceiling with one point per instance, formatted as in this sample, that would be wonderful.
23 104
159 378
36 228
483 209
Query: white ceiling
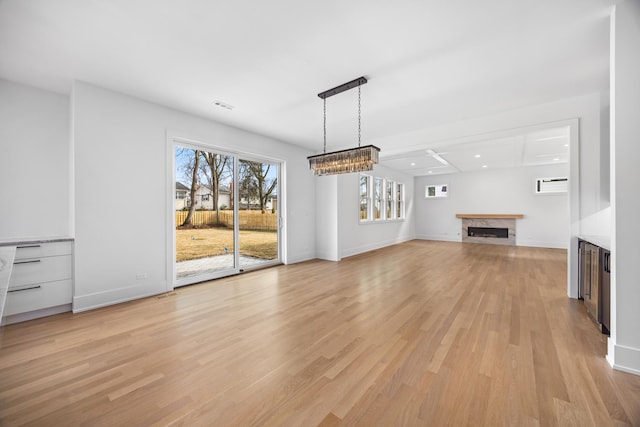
428 63
541 147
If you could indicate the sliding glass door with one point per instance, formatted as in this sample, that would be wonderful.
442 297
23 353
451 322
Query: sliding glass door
226 213
258 213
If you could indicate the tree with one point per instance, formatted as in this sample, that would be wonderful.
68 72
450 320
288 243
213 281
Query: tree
191 169
247 189
255 182
216 167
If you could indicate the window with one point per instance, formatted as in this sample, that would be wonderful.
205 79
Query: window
399 201
380 199
389 199
432 191
365 199
205 197
181 195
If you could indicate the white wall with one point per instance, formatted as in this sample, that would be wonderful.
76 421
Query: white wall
327 242
34 163
546 217
624 342
120 147
356 237
595 179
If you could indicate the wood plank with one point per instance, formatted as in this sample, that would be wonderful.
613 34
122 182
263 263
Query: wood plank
420 333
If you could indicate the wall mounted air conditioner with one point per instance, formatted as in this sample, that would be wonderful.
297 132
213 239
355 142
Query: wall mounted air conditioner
552 185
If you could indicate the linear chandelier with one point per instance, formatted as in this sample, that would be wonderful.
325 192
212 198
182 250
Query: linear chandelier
356 159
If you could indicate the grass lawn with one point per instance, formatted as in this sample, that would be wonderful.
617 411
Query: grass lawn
203 242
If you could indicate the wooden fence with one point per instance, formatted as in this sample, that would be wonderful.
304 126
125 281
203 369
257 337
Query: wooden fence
249 220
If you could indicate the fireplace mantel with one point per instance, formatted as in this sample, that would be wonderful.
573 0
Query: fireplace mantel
490 216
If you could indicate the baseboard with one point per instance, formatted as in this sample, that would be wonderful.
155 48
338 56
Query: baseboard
326 256
439 238
36 314
302 257
625 359
373 246
116 296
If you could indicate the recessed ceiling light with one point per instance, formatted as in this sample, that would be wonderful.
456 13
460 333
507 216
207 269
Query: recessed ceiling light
413 163
555 159
566 145
477 156
430 172
223 104
484 166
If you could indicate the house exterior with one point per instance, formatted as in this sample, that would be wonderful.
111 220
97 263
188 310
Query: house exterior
254 203
182 196
204 198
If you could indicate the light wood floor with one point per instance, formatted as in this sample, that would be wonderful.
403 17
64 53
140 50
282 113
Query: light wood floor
422 333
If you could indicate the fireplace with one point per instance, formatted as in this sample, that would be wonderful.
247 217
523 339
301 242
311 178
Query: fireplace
496 229
495 232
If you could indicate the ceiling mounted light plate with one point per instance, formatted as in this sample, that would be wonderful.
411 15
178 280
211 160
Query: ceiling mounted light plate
343 87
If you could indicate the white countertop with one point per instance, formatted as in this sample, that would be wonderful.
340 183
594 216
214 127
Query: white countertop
602 241
7 254
34 240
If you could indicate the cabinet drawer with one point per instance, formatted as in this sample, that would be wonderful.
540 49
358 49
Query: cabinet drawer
38 250
40 270
36 297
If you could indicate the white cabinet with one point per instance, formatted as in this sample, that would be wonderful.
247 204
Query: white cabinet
41 282
7 254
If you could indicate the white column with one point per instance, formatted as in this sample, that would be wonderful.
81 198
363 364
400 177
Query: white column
327 241
624 343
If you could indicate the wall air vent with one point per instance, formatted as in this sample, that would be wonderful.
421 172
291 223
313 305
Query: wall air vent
552 185
224 105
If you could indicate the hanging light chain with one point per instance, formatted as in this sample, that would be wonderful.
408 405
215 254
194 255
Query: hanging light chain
325 125
359 115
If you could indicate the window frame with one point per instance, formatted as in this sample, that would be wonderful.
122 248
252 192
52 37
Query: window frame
400 201
367 198
440 191
395 200
389 199
378 199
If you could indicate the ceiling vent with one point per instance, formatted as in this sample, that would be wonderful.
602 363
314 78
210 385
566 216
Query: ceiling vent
223 105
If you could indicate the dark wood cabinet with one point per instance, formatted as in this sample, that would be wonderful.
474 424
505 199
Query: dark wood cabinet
594 283
605 289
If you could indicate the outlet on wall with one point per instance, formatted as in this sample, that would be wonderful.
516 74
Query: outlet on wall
141 276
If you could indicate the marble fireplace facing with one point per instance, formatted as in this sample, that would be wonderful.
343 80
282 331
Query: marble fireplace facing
495 229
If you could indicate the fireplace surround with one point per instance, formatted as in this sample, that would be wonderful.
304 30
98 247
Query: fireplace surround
496 229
